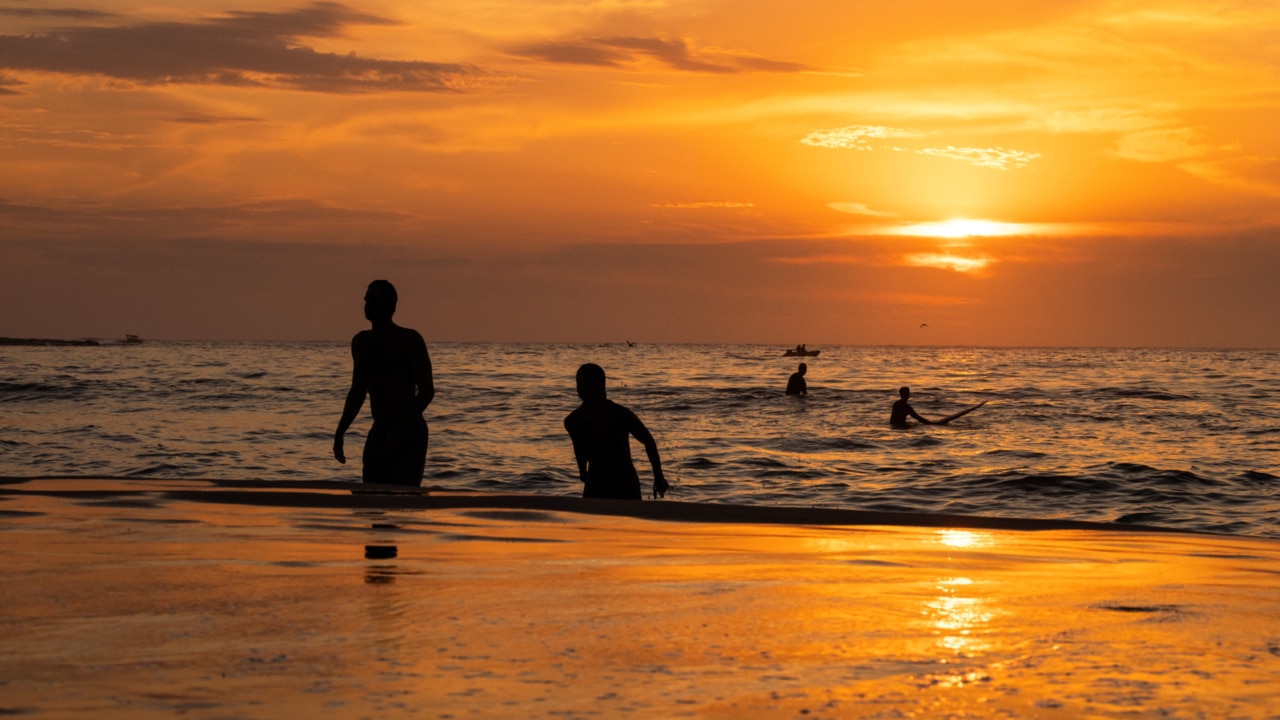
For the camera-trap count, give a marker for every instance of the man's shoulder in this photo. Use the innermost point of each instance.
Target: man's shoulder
(409, 335)
(606, 409)
(575, 418)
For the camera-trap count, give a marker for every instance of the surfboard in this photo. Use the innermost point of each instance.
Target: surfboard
(962, 413)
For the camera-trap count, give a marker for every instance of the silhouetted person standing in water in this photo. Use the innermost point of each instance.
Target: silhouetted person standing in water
(601, 431)
(902, 409)
(796, 384)
(392, 367)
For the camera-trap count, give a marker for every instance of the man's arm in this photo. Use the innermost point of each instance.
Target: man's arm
(912, 412)
(578, 453)
(641, 433)
(422, 376)
(355, 399)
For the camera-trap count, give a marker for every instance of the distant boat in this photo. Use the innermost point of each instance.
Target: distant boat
(132, 340)
(801, 352)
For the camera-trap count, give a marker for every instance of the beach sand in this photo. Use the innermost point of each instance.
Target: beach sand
(157, 598)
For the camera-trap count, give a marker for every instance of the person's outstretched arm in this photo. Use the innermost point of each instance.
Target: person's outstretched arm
(912, 412)
(641, 433)
(355, 400)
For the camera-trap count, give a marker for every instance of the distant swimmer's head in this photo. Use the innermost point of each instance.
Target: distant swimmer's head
(803, 368)
(380, 301)
(904, 392)
(591, 382)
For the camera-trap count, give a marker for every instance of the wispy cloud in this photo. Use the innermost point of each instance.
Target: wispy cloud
(944, 261)
(1161, 145)
(857, 209)
(829, 259)
(240, 48)
(68, 13)
(619, 52)
(705, 204)
(7, 82)
(865, 137)
(204, 119)
(854, 137)
(998, 158)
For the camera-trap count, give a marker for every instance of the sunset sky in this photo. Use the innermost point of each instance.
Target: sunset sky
(1008, 173)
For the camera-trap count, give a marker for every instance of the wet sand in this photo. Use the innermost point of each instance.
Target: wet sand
(153, 598)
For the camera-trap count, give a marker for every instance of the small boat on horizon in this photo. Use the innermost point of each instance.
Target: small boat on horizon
(132, 340)
(801, 351)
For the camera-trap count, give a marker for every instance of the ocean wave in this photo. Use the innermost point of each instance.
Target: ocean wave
(1192, 436)
(27, 392)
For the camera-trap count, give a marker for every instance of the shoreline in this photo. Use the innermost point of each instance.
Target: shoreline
(354, 495)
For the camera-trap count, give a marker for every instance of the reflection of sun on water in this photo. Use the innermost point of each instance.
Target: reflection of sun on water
(956, 618)
(963, 538)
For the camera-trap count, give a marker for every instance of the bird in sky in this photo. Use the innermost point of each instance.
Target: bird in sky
(924, 325)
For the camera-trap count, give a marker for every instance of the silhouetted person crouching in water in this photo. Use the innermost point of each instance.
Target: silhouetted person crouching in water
(392, 367)
(601, 431)
(796, 384)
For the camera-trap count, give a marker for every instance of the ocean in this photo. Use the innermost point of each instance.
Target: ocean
(1186, 439)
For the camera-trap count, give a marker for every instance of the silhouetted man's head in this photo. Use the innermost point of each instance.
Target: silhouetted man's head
(380, 301)
(904, 392)
(803, 368)
(591, 382)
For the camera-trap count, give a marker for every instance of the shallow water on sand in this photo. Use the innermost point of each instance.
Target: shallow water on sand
(1180, 438)
(154, 598)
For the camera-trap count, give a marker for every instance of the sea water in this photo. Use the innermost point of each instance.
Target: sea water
(1184, 439)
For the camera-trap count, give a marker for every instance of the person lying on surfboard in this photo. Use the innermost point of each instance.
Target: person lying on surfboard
(902, 410)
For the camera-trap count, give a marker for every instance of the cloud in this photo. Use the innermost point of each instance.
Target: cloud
(205, 119)
(948, 262)
(300, 219)
(1255, 175)
(707, 204)
(72, 13)
(854, 137)
(1160, 145)
(831, 259)
(619, 52)
(857, 209)
(998, 158)
(7, 82)
(241, 48)
(861, 137)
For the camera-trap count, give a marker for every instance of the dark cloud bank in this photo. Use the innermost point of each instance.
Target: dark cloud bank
(240, 48)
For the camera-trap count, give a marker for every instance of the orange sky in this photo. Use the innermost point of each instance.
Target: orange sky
(1011, 173)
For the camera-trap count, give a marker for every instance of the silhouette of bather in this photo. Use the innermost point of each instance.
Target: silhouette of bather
(390, 365)
(902, 409)
(796, 384)
(601, 431)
